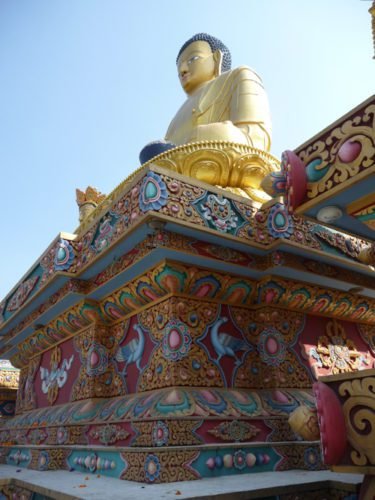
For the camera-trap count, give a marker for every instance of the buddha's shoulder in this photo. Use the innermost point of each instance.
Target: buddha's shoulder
(243, 73)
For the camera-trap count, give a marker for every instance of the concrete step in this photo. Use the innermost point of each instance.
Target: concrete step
(289, 485)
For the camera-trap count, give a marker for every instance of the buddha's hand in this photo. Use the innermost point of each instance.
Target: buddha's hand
(218, 131)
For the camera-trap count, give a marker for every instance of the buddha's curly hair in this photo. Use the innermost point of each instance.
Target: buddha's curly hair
(215, 44)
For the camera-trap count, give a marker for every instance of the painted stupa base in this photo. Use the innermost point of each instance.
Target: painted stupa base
(169, 434)
(174, 334)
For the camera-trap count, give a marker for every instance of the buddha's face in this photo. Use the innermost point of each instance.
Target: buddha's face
(197, 65)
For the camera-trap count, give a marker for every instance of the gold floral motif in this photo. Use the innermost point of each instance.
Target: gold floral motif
(253, 322)
(234, 430)
(173, 466)
(281, 430)
(299, 456)
(337, 353)
(180, 195)
(359, 413)
(56, 459)
(254, 373)
(73, 434)
(283, 370)
(108, 434)
(105, 382)
(179, 433)
(158, 315)
(161, 372)
(207, 312)
(117, 333)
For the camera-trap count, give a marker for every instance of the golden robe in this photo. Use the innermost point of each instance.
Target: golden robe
(232, 107)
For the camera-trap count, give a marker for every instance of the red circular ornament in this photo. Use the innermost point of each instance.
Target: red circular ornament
(331, 423)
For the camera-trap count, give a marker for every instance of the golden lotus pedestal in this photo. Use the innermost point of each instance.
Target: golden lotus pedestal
(235, 167)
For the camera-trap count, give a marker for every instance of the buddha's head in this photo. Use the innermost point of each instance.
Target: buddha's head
(201, 59)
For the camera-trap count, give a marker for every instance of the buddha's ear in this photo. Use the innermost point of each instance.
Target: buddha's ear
(218, 58)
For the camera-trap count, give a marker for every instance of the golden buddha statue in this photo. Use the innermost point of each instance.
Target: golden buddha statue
(225, 110)
(222, 104)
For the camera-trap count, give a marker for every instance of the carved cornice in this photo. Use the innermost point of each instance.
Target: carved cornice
(174, 198)
(169, 278)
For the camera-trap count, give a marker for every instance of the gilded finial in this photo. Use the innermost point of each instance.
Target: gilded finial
(87, 201)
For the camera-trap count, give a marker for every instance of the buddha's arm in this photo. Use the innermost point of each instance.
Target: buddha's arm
(250, 109)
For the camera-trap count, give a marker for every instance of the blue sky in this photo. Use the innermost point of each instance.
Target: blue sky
(86, 83)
